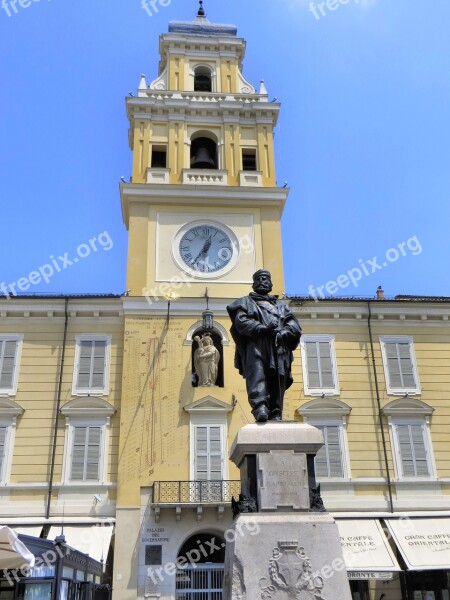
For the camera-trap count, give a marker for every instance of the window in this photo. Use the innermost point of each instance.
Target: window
(208, 453)
(330, 416)
(400, 365)
(409, 425)
(9, 411)
(319, 365)
(329, 462)
(413, 450)
(87, 440)
(86, 453)
(249, 159)
(91, 373)
(208, 439)
(159, 157)
(10, 350)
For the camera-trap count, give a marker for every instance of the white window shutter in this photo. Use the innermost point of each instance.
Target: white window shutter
(406, 365)
(329, 458)
(326, 365)
(215, 454)
(78, 453)
(312, 360)
(84, 365)
(3, 432)
(8, 353)
(93, 454)
(98, 365)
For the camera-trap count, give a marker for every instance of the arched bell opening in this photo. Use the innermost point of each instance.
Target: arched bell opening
(204, 153)
(201, 363)
(203, 80)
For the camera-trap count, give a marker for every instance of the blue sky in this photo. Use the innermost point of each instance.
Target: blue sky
(363, 138)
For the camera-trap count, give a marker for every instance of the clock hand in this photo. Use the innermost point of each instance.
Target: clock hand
(204, 250)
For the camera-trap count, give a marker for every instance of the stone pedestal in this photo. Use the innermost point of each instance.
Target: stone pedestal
(280, 547)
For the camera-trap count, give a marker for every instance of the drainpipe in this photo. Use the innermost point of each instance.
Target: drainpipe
(380, 414)
(58, 406)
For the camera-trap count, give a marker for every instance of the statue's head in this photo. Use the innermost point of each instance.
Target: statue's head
(262, 282)
(207, 340)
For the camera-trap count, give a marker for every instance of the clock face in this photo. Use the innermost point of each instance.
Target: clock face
(206, 248)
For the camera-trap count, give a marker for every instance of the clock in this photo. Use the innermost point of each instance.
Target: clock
(206, 249)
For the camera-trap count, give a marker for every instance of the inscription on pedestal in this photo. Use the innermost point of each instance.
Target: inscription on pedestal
(282, 481)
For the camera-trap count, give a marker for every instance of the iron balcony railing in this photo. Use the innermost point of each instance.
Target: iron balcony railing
(188, 492)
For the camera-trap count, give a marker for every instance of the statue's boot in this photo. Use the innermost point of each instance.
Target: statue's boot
(261, 414)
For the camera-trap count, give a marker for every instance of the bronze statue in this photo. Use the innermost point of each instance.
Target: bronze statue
(266, 333)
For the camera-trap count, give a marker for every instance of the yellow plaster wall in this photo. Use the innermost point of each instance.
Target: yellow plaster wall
(37, 394)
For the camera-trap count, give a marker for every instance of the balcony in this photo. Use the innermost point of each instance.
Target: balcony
(195, 495)
(205, 177)
(195, 492)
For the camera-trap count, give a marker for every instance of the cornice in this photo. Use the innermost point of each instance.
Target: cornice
(180, 194)
(386, 313)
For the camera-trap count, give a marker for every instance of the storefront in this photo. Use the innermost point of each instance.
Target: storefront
(59, 573)
(370, 561)
(402, 558)
(424, 546)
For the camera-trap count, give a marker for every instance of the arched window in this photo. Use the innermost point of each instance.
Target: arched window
(202, 80)
(204, 153)
(201, 567)
(216, 339)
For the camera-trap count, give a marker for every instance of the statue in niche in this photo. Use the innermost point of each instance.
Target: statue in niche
(206, 361)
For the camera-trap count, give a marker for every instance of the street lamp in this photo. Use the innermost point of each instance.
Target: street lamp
(208, 315)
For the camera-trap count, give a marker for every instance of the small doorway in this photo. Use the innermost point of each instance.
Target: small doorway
(201, 578)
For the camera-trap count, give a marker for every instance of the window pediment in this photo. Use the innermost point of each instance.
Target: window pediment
(407, 407)
(324, 407)
(88, 406)
(8, 408)
(208, 405)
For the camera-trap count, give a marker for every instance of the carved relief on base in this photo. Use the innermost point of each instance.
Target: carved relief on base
(291, 576)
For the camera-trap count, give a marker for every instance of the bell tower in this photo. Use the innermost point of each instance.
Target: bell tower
(203, 212)
(203, 207)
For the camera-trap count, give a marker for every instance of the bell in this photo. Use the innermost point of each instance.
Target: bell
(202, 159)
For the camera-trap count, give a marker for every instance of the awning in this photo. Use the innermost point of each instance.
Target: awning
(423, 543)
(33, 530)
(13, 553)
(93, 540)
(366, 550)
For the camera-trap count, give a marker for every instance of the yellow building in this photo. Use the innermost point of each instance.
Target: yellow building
(60, 390)
(203, 168)
(103, 420)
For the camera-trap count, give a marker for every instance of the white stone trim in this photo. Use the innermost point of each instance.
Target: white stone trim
(319, 391)
(189, 340)
(92, 337)
(18, 338)
(9, 411)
